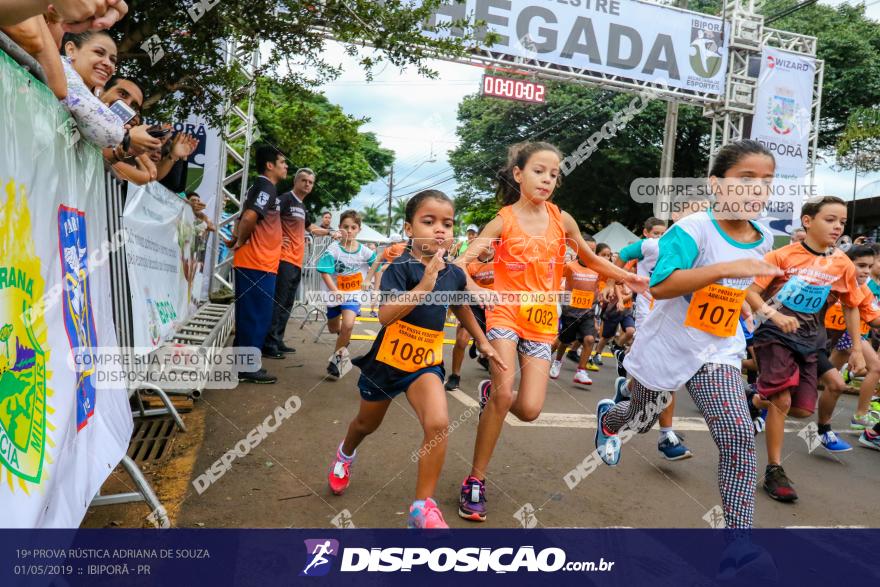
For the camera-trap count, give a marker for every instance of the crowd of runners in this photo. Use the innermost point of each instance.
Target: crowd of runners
(755, 335)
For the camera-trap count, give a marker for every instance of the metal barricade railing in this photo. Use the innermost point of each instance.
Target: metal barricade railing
(310, 283)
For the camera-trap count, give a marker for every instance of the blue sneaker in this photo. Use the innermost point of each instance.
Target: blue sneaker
(833, 444)
(607, 444)
(484, 389)
(621, 392)
(672, 448)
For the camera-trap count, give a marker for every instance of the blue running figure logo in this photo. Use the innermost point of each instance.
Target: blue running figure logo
(317, 552)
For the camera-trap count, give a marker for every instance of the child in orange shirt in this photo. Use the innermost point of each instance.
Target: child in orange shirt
(786, 342)
(530, 236)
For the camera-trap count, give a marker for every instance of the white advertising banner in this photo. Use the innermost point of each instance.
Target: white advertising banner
(60, 435)
(633, 40)
(160, 251)
(782, 123)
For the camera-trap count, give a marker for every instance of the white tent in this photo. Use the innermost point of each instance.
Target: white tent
(368, 234)
(616, 236)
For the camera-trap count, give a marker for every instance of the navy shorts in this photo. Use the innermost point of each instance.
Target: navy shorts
(334, 311)
(609, 325)
(373, 393)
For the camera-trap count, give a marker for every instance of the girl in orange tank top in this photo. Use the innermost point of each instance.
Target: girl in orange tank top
(530, 235)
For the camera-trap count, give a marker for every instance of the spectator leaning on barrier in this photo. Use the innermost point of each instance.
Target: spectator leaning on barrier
(294, 223)
(257, 251)
(33, 35)
(76, 15)
(326, 219)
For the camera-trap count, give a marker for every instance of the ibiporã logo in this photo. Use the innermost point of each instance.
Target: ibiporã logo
(24, 395)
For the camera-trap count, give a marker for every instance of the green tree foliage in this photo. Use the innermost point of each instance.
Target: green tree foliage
(597, 191)
(192, 76)
(859, 144)
(373, 217)
(314, 133)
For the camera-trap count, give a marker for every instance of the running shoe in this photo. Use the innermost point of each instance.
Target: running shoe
(472, 351)
(555, 368)
(340, 472)
(607, 443)
(286, 349)
(672, 448)
(472, 501)
(777, 484)
(582, 378)
(758, 421)
(573, 356)
(333, 368)
(597, 360)
(258, 376)
(866, 421)
(621, 391)
(373, 314)
(833, 444)
(870, 440)
(484, 389)
(425, 516)
(453, 382)
(591, 366)
(484, 362)
(875, 404)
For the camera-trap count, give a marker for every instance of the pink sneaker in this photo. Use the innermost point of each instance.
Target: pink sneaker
(340, 472)
(426, 517)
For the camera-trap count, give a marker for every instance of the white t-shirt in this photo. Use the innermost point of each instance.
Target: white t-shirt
(666, 354)
(645, 252)
(337, 261)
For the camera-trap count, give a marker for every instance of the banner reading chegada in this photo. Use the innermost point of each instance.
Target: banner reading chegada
(637, 41)
(782, 123)
(60, 437)
(162, 262)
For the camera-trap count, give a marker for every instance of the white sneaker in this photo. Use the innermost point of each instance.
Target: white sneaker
(343, 361)
(555, 368)
(582, 377)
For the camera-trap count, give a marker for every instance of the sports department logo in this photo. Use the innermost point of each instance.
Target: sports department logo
(320, 554)
(79, 320)
(24, 395)
(781, 113)
(705, 52)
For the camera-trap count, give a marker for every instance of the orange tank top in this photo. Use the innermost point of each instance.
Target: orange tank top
(533, 264)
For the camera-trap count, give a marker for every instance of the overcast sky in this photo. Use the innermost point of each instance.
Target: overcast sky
(416, 117)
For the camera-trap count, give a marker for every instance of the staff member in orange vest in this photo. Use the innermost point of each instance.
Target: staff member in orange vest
(257, 250)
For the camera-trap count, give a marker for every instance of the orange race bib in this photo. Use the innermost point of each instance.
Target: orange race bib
(349, 282)
(541, 318)
(410, 348)
(715, 309)
(835, 320)
(582, 299)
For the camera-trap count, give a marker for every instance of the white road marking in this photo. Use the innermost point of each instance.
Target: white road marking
(370, 331)
(563, 420)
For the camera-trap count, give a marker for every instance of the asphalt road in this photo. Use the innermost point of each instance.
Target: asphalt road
(283, 481)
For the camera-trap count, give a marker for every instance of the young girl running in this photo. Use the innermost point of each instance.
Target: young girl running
(693, 337)
(531, 235)
(407, 355)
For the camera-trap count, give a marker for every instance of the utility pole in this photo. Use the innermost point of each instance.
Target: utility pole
(390, 197)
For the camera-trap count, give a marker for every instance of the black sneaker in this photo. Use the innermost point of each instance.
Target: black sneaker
(484, 362)
(472, 352)
(572, 355)
(484, 390)
(333, 369)
(270, 353)
(453, 382)
(620, 355)
(286, 349)
(777, 484)
(758, 422)
(259, 376)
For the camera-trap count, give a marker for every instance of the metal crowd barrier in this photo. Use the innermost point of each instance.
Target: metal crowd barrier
(310, 282)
